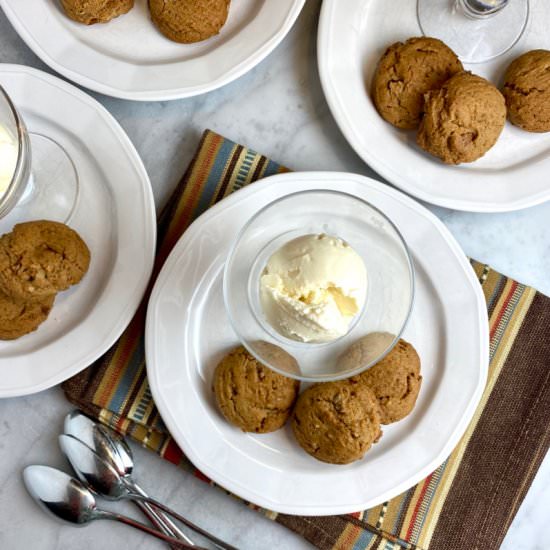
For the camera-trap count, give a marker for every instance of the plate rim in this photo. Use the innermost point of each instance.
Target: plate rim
(171, 423)
(159, 95)
(380, 167)
(131, 307)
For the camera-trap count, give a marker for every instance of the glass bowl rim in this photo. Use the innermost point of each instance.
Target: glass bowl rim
(326, 377)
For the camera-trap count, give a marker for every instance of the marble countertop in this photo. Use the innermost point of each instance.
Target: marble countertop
(279, 109)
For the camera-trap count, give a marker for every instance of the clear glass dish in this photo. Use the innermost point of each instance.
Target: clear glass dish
(476, 30)
(390, 291)
(43, 181)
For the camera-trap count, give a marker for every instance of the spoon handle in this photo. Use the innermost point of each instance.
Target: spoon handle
(103, 514)
(218, 542)
(158, 519)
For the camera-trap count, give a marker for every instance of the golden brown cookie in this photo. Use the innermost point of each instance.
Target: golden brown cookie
(276, 357)
(527, 91)
(39, 258)
(405, 73)
(188, 21)
(337, 422)
(462, 120)
(252, 396)
(96, 11)
(395, 381)
(18, 318)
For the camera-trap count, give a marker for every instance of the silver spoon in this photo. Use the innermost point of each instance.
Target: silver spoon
(67, 499)
(113, 448)
(100, 476)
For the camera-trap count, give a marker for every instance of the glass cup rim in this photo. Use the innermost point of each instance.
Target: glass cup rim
(327, 377)
(12, 188)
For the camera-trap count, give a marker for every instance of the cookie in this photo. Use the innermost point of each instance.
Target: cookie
(527, 91)
(250, 395)
(19, 318)
(90, 12)
(405, 73)
(188, 21)
(462, 120)
(337, 422)
(40, 258)
(276, 357)
(395, 382)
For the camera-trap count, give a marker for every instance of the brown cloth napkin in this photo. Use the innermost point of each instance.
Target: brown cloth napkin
(469, 501)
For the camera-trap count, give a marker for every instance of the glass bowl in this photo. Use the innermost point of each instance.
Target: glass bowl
(43, 183)
(390, 284)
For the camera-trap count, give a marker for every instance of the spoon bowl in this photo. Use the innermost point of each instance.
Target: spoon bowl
(60, 494)
(68, 499)
(105, 442)
(92, 469)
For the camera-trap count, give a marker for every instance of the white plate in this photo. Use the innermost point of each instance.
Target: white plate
(188, 332)
(129, 58)
(115, 215)
(512, 175)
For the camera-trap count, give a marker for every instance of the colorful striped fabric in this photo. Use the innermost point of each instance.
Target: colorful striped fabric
(469, 501)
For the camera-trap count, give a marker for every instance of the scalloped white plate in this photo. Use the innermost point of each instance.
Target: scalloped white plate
(129, 58)
(188, 332)
(115, 215)
(512, 175)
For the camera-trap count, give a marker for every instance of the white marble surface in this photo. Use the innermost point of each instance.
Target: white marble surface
(279, 109)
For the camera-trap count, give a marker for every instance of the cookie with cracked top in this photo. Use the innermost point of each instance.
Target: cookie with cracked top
(19, 318)
(405, 72)
(395, 381)
(337, 422)
(91, 12)
(527, 91)
(462, 120)
(250, 395)
(40, 258)
(188, 21)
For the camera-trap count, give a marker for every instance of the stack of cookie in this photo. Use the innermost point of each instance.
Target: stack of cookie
(335, 422)
(37, 260)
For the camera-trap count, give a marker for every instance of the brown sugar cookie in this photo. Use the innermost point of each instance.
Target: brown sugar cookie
(527, 91)
(337, 422)
(40, 258)
(250, 395)
(405, 73)
(462, 120)
(188, 21)
(18, 318)
(395, 381)
(95, 11)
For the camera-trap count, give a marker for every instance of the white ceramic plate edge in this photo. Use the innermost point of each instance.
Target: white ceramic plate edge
(149, 247)
(383, 169)
(325, 508)
(161, 95)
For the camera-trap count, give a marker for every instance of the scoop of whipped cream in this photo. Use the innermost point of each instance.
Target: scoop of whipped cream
(312, 287)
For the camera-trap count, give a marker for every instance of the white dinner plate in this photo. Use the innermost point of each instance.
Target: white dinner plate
(129, 58)
(115, 215)
(512, 175)
(188, 332)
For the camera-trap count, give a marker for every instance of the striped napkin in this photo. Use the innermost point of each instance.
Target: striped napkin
(469, 501)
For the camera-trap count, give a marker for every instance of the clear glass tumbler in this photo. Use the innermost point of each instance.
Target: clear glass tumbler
(38, 179)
